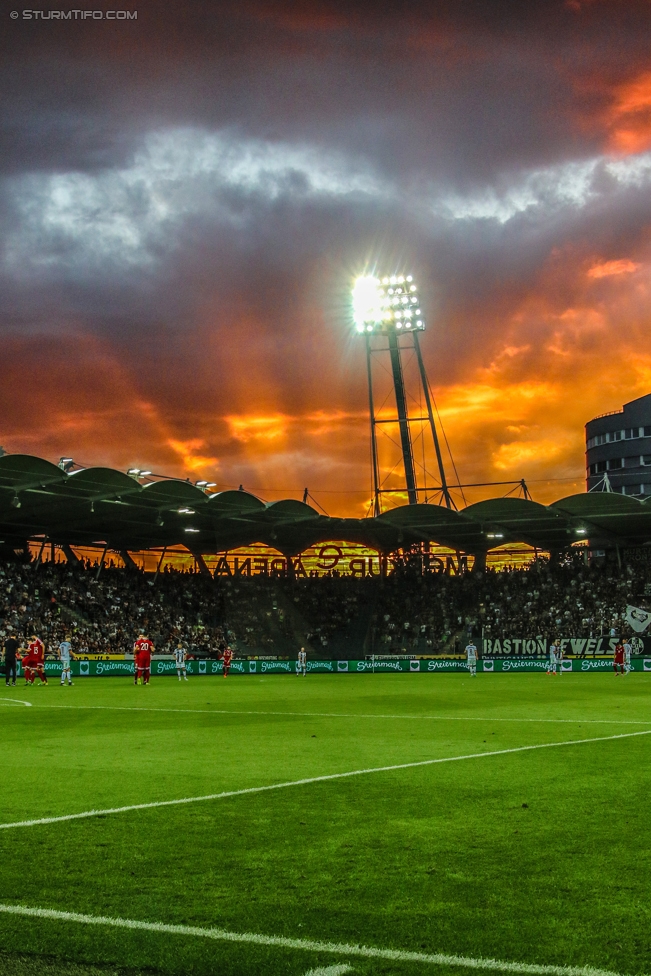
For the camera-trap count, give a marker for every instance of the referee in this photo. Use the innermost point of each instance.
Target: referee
(11, 649)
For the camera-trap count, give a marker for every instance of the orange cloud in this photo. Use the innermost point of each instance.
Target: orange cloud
(542, 451)
(192, 461)
(607, 268)
(247, 427)
(629, 117)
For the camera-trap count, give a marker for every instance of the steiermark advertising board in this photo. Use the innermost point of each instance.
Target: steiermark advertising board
(162, 668)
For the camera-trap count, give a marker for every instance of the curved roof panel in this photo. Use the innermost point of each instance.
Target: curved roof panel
(234, 502)
(98, 482)
(172, 493)
(18, 471)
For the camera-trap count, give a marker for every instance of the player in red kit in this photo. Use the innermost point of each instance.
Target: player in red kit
(618, 663)
(228, 657)
(142, 651)
(36, 651)
(28, 664)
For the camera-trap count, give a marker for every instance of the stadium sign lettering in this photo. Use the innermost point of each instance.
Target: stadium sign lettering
(446, 666)
(539, 646)
(118, 667)
(341, 558)
(524, 665)
(379, 666)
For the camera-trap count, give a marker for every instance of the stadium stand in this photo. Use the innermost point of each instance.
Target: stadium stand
(334, 617)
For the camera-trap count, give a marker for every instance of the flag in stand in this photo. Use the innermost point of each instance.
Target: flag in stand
(637, 619)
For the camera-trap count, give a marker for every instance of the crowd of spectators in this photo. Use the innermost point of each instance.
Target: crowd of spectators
(563, 599)
(329, 606)
(408, 613)
(105, 614)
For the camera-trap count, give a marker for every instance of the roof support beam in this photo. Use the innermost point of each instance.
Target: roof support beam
(71, 556)
(128, 560)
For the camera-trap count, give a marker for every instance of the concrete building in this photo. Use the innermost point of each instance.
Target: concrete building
(618, 445)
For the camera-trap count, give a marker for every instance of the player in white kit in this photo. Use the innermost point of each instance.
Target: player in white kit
(301, 666)
(551, 667)
(65, 651)
(179, 657)
(628, 650)
(471, 657)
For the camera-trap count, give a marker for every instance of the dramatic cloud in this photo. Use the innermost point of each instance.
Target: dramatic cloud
(186, 198)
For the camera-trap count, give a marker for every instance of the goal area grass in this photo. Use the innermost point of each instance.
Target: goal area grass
(528, 844)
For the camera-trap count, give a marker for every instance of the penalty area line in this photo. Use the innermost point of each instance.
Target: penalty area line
(309, 945)
(314, 779)
(15, 701)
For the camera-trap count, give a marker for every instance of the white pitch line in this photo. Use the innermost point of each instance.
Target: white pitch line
(313, 779)
(14, 701)
(310, 945)
(435, 718)
(337, 970)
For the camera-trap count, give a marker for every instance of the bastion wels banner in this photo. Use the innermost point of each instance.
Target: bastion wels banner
(579, 646)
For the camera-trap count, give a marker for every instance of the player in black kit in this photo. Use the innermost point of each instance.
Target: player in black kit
(11, 649)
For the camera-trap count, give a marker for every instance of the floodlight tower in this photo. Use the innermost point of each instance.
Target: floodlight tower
(388, 309)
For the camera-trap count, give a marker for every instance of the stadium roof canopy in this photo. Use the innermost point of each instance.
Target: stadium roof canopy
(105, 507)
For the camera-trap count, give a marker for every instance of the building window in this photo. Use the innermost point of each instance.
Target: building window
(647, 431)
(615, 464)
(601, 466)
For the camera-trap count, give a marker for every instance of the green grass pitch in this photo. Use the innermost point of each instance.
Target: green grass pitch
(539, 856)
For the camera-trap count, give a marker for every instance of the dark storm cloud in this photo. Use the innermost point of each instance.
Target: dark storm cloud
(186, 197)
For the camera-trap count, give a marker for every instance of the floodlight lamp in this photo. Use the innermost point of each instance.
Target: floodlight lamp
(378, 303)
(134, 472)
(211, 484)
(201, 484)
(143, 474)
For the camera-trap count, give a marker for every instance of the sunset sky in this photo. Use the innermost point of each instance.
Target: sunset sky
(186, 199)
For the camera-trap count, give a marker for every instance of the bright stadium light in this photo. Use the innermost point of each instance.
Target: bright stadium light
(384, 304)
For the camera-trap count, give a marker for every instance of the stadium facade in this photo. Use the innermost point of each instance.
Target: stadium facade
(618, 449)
